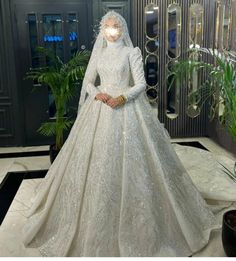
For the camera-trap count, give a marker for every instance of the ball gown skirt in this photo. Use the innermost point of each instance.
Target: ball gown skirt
(118, 188)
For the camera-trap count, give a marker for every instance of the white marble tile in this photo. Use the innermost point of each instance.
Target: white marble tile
(22, 200)
(209, 144)
(31, 163)
(24, 196)
(11, 246)
(22, 164)
(206, 172)
(23, 149)
(5, 166)
(10, 229)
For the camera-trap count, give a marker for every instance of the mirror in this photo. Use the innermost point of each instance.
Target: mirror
(193, 98)
(172, 103)
(227, 19)
(151, 69)
(173, 29)
(151, 21)
(151, 46)
(152, 94)
(172, 95)
(221, 108)
(216, 107)
(193, 110)
(196, 40)
(196, 24)
(218, 33)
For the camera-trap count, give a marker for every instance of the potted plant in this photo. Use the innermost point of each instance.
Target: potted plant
(219, 89)
(229, 223)
(62, 79)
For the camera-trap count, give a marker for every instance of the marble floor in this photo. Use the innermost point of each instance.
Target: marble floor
(217, 188)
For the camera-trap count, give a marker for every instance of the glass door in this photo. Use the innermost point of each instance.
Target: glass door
(64, 30)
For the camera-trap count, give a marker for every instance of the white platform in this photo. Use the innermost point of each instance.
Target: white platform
(218, 190)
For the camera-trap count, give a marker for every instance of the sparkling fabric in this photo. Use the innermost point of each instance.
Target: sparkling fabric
(117, 187)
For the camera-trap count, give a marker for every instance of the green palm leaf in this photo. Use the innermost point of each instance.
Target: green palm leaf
(62, 79)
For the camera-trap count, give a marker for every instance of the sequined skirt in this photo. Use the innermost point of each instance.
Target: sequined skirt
(118, 188)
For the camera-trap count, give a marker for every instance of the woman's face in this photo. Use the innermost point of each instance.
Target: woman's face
(112, 29)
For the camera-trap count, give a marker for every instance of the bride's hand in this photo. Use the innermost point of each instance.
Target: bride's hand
(113, 102)
(104, 97)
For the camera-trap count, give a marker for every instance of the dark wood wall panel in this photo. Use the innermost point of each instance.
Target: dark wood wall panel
(8, 99)
(183, 125)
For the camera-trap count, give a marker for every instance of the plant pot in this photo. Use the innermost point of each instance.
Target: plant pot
(220, 134)
(229, 233)
(53, 152)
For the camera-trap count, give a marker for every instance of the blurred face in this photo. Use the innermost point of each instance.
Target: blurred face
(112, 29)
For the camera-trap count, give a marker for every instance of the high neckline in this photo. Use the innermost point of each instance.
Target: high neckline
(119, 42)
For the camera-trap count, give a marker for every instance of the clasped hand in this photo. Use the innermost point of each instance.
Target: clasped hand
(108, 99)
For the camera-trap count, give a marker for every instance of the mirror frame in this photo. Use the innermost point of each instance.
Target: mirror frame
(149, 39)
(145, 20)
(174, 115)
(154, 100)
(149, 52)
(179, 31)
(146, 58)
(195, 41)
(226, 42)
(177, 94)
(194, 56)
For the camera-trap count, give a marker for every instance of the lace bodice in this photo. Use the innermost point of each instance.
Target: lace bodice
(117, 66)
(113, 67)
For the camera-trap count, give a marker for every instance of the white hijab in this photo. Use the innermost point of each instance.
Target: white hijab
(100, 43)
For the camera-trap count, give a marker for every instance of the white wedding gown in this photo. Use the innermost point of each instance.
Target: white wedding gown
(117, 187)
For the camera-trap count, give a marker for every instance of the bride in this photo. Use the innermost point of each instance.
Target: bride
(117, 187)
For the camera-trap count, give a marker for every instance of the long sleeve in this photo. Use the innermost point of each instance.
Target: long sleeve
(88, 84)
(90, 78)
(136, 66)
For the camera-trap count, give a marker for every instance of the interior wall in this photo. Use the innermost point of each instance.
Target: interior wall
(183, 125)
(11, 114)
(10, 125)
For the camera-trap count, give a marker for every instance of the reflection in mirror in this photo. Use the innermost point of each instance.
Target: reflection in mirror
(152, 94)
(193, 110)
(33, 39)
(218, 22)
(227, 18)
(73, 36)
(172, 95)
(196, 40)
(53, 34)
(151, 20)
(196, 24)
(151, 46)
(193, 98)
(217, 107)
(172, 105)
(53, 40)
(221, 108)
(173, 25)
(151, 69)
